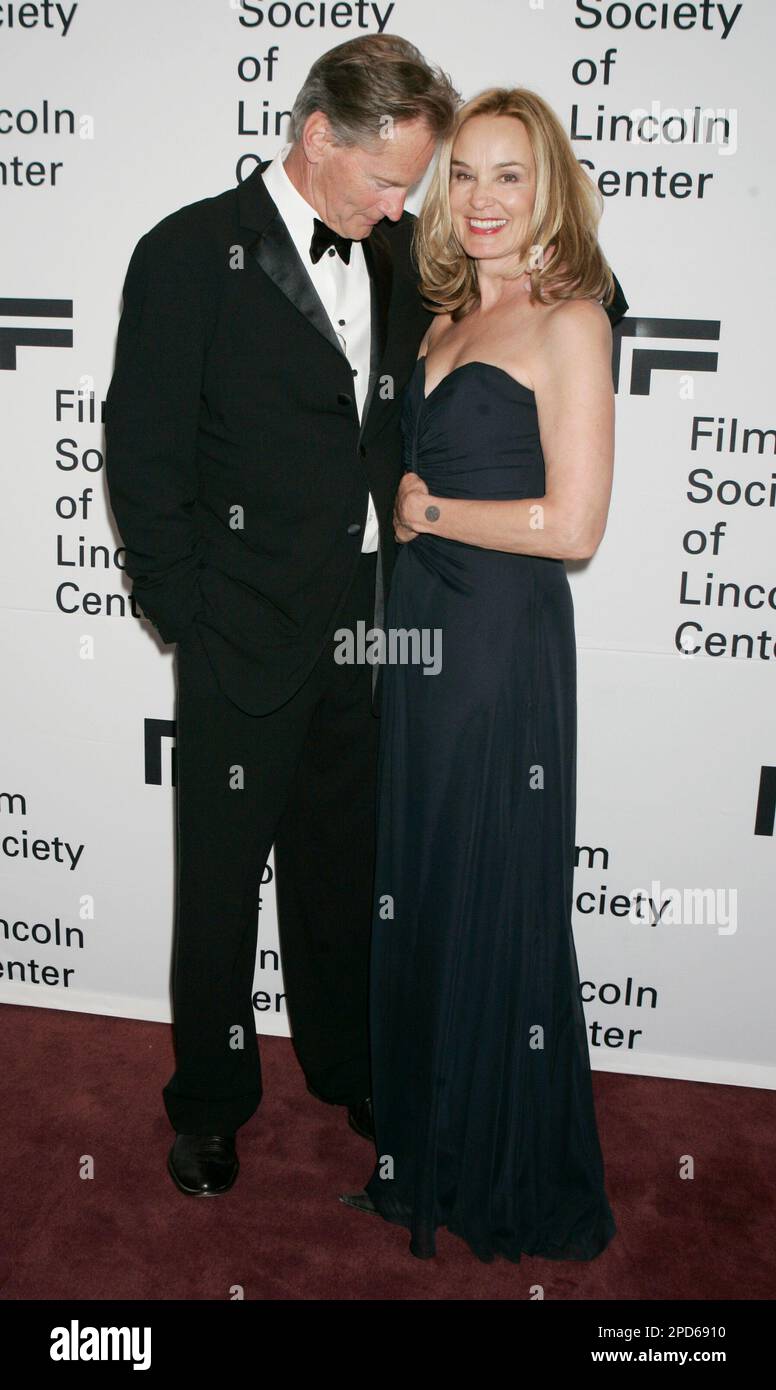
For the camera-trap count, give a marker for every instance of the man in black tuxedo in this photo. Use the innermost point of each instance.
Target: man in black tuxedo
(253, 454)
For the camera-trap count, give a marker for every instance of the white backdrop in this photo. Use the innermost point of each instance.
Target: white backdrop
(112, 116)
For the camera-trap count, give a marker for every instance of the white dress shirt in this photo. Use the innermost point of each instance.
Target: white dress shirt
(345, 291)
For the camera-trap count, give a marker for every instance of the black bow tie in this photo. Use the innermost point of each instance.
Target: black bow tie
(324, 237)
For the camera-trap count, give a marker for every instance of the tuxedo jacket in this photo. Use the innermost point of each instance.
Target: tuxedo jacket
(237, 467)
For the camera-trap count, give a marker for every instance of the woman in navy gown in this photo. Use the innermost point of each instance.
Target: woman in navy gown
(481, 1082)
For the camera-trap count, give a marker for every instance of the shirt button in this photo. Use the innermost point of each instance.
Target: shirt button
(331, 251)
(354, 528)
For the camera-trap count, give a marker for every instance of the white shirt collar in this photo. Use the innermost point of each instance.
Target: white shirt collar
(296, 212)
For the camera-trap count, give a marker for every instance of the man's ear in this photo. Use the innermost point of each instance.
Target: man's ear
(316, 136)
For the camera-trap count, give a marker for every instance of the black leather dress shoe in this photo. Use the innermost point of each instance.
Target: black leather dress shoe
(360, 1200)
(361, 1118)
(203, 1165)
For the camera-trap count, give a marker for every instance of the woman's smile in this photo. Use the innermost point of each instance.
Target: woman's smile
(486, 226)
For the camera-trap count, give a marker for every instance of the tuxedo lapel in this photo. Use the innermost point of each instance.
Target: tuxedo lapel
(278, 257)
(274, 250)
(379, 261)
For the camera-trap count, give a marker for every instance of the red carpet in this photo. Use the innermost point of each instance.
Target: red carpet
(78, 1084)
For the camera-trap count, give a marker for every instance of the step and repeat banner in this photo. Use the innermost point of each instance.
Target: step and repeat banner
(112, 115)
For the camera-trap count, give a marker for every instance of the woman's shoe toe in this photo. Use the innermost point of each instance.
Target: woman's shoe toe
(361, 1200)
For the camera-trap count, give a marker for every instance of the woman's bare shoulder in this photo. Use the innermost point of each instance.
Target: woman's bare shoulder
(575, 324)
(584, 315)
(438, 325)
(575, 343)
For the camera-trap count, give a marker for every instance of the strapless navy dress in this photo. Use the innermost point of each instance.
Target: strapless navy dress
(481, 1081)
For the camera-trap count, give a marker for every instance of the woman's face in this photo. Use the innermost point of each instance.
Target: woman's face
(492, 187)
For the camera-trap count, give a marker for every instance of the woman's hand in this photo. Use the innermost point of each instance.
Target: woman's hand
(405, 508)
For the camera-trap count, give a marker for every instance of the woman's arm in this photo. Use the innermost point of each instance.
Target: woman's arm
(575, 404)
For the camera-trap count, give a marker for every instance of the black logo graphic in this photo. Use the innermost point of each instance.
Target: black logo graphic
(155, 734)
(765, 814)
(21, 336)
(645, 360)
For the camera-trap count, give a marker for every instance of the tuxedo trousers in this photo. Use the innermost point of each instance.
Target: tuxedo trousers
(303, 778)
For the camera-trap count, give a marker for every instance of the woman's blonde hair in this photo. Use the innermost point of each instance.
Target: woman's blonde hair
(567, 210)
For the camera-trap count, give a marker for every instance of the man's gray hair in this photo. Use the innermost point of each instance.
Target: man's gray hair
(371, 82)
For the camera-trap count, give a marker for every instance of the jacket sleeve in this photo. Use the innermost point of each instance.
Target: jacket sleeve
(151, 420)
(619, 305)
